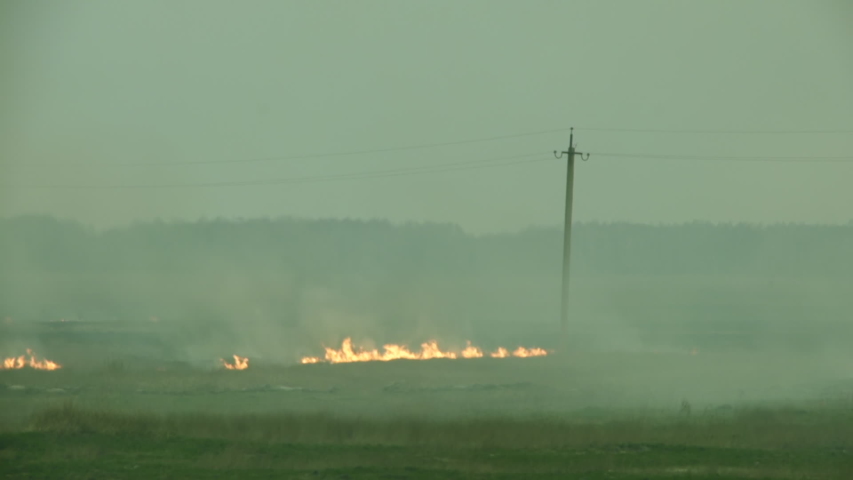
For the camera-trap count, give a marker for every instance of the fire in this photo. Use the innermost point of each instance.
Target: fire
(471, 351)
(500, 353)
(240, 363)
(14, 363)
(429, 350)
(529, 352)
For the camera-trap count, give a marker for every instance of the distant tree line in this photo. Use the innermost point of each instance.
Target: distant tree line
(45, 244)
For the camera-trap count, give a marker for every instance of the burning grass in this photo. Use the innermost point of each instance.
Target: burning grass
(429, 350)
(240, 363)
(30, 361)
(441, 433)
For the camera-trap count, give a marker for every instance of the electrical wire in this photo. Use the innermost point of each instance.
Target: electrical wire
(765, 158)
(437, 168)
(281, 158)
(454, 166)
(715, 132)
(278, 158)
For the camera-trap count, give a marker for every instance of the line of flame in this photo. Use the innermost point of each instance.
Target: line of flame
(14, 363)
(429, 350)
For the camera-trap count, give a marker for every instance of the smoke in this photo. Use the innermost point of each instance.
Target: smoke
(658, 314)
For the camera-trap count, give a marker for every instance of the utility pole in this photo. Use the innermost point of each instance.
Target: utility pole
(567, 226)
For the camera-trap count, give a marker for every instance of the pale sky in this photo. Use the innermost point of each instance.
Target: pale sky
(90, 86)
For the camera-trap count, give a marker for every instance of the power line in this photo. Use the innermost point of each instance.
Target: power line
(764, 158)
(725, 132)
(454, 166)
(278, 158)
(438, 168)
(309, 155)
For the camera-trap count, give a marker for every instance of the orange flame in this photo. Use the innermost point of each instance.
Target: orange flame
(500, 353)
(240, 363)
(14, 363)
(471, 351)
(429, 350)
(529, 352)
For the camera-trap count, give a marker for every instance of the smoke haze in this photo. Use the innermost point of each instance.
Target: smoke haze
(91, 86)
(185, 181)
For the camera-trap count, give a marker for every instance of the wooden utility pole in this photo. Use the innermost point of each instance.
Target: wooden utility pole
(567, 226)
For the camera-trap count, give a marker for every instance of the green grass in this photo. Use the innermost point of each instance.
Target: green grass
(747, 428)
(577, 415)
(71, 442)
(103, 456)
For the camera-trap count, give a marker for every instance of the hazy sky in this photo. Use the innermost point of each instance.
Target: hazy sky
(90, 86)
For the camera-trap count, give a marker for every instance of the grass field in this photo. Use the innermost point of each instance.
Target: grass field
(763, 395)
(67, 442)
(628, 416)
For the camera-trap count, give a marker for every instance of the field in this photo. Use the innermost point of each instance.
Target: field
(582, 415)
(663, 378)
(68, 443)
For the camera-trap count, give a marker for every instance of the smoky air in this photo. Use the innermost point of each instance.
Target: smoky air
(411, 240)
